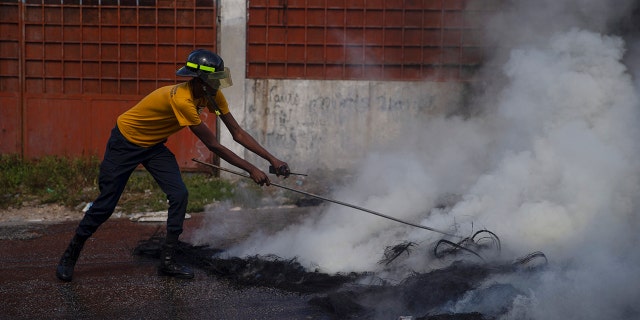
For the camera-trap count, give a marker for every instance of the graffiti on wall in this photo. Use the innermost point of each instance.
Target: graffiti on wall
(319, 121)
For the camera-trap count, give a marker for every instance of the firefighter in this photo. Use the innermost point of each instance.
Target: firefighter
(139, 137)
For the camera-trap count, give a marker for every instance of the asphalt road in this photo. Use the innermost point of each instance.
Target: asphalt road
(111, 283)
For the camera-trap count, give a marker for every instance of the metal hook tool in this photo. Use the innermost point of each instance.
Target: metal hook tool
(331, 200)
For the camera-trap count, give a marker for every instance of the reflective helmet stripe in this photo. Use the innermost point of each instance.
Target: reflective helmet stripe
(200, 67)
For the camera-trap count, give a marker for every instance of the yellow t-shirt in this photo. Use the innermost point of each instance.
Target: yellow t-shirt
(164, 112)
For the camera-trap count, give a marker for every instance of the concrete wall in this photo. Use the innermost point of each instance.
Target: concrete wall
(232, 43)
(320, 124)
(324, 124)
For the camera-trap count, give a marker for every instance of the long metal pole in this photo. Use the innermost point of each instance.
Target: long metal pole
(331, 200)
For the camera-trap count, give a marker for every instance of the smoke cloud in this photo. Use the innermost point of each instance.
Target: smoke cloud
(549, 162)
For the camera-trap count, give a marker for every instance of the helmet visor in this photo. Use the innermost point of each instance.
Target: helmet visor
(219, 79)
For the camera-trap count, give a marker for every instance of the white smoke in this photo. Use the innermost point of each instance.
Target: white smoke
(551, 165)
(400, 183)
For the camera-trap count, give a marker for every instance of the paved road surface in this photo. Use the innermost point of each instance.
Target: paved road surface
(111, 283)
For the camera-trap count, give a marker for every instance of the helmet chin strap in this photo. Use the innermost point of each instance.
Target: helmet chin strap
(205, 89)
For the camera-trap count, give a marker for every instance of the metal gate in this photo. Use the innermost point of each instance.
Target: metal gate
(69, 68)
(436, 40)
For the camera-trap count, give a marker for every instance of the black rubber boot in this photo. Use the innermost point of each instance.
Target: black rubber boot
(168, 265)
(64, 271)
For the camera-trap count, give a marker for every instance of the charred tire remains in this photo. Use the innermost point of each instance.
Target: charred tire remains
(343, 295)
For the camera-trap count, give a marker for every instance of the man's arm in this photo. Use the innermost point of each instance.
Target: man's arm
(245, 139)
(209, 139)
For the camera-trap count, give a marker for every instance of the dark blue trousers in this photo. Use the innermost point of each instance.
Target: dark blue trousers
(120, 159)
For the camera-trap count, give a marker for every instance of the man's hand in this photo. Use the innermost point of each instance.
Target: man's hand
(259, 177)
(281, 168)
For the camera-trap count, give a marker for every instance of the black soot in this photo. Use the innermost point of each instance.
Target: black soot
(344, 296)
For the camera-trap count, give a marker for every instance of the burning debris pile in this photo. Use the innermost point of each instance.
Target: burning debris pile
(364, 295)
(432, 295)
(265, 271)
(416, 295)
(483, 240)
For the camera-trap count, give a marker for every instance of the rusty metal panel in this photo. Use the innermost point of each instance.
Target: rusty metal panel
(87, 124)
(363, 40)
(81, 127)
(107, 108)
(10, 120)
(9, 47)
(64, 136)
(69, 68)
(10, 106)
(111, 48)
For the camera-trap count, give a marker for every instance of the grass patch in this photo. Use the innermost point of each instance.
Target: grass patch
(48, 180)
(70, 182)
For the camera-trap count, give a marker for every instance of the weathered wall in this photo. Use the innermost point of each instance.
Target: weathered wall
(68, 69)
(331, 124)
(232, 43)
(62, 63)
(315, 124)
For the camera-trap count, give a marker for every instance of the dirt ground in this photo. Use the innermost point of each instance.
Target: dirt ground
(39, 213)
